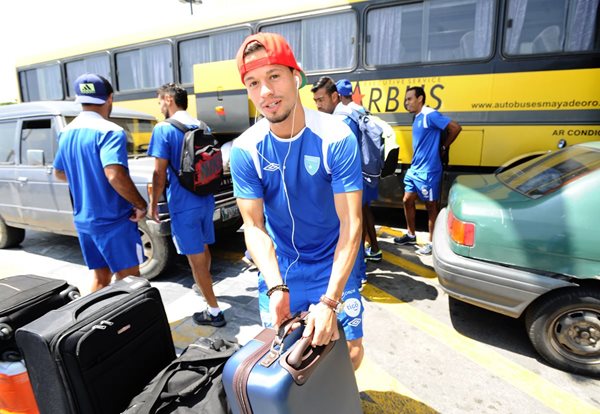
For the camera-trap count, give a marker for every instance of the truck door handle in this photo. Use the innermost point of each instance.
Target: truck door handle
(22, 179)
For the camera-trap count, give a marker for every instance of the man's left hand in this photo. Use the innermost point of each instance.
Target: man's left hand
(322, 323)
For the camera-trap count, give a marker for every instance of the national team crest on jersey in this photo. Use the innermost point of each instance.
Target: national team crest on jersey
(311, 164)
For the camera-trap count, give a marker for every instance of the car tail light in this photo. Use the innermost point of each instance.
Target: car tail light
(461, 232)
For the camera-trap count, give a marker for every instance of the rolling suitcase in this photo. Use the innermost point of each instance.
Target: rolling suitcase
(279, 372)
(25, 298)
(92, 356)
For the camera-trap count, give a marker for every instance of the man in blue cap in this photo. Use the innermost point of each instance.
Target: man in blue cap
(344, 88)
(92, 158)
(372, 253)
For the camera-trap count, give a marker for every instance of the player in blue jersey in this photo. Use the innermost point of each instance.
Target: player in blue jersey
(92, 158)
(191, 214)
(297, 179)
(328, 100)
(424, 177)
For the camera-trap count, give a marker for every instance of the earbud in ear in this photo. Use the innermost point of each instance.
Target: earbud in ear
(297, 82)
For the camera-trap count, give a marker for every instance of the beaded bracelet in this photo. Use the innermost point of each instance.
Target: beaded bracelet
(283, 288)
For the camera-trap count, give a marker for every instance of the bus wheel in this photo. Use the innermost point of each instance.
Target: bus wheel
(10, 236)
(158, 250)
(565, 329)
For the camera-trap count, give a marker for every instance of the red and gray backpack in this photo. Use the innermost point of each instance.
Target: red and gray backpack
(201, 167)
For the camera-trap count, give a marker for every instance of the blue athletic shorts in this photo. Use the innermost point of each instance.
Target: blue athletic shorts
(369, 194)
(192, 229)
(307, 282)
(118, 248)
(426, 185)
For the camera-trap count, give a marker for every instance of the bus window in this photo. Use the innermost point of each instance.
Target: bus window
(212, 48)
(432, 31)
(98, 64)
(537, 27)
(335, 34)
(41, 84)
(144, 68)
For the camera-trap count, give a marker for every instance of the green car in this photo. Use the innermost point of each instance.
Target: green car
(526, 242)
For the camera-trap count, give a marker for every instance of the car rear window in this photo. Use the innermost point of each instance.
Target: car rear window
(550, 172)
(138, 133)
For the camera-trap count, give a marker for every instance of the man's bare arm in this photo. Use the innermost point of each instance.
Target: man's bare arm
(60, 175)
(453, 130)
(159, 182)
(119, 179)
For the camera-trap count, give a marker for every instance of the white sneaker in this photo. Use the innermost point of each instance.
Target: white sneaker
(425, 250)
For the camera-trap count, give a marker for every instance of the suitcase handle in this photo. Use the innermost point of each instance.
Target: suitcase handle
(303, 359)
(122, 287)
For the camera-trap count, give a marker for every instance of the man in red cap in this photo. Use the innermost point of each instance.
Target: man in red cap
(298, 182)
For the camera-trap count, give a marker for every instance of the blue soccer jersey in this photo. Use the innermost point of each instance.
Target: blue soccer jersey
(426, 131)
(87, 145)
(167, 143)
(297, 179)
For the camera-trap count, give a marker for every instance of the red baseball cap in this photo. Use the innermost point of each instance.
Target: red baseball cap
(278, 53)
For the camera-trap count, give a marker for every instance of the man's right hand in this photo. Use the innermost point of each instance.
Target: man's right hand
(279, 307)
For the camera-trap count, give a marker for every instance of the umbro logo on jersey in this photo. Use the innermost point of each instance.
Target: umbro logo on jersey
(271, 167)
(87, 88)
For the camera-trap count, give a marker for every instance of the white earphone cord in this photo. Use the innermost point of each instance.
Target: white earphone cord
(282, 172)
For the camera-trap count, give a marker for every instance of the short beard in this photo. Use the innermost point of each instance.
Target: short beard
(279, 118)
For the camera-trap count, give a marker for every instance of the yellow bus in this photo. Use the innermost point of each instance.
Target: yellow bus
(521, 76)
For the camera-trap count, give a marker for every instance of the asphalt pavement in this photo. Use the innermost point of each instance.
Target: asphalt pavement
(424, 353)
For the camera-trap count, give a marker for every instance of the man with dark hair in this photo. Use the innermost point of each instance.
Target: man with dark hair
(191, 214)
(298, 182)
(370, 192)
(92, 158)
(328, 100)
(424, 177)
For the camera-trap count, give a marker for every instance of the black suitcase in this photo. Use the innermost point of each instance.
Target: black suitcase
(94, 355)
(25, 298)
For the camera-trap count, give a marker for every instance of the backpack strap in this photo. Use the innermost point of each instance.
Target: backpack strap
(179, 125)
(183, 128)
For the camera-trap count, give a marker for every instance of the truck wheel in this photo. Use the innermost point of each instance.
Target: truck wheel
(10, 236)
(565, 329)
(159, 252)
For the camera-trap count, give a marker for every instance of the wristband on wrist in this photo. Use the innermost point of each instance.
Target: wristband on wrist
(332, 304)
(282, 287)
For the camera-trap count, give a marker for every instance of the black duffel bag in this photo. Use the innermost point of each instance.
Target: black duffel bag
(190, 384)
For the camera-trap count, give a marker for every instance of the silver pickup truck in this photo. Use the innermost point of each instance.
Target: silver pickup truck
(31, 197)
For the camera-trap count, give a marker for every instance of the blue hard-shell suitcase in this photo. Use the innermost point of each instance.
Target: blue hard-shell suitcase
(279, 372)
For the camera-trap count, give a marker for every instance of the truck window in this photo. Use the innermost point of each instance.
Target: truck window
(37, 134)
(7, 142)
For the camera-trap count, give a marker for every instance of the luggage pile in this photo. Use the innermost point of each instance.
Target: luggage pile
(112, 352)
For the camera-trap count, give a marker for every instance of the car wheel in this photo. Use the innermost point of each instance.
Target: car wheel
(565, 329)
(10, 236)
(159, 252)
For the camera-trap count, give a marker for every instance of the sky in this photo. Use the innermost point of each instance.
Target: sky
(35, 26)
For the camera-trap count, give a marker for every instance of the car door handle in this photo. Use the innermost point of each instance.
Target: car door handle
(49, 170)
(22, 179)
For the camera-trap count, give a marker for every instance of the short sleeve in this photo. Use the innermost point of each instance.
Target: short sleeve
(159, 146)
(246, 183)
(58, 158)
(344, 161)
(438, 120)
(113, 148)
